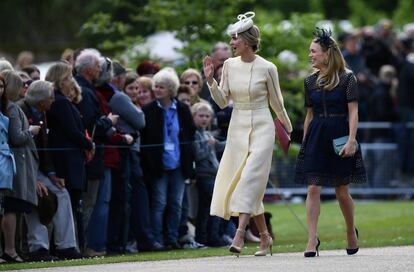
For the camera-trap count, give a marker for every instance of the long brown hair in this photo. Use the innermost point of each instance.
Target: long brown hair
(335, 64)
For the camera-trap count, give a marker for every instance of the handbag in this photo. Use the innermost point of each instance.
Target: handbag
(339, 143)
(282, 135)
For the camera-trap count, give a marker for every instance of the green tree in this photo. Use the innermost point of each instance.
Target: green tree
(199, 26)
(198, 23)
(45, 27)
(364, 14)
(294, 35)
(404, 12)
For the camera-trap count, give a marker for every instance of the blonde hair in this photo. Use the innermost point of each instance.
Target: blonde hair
(78, 91)
(145, 82)
(335, 65)
(252, 37)
(13, 84)
(57, 72)
(68, 54)
(24, 56)
(191, 72)
(201, 106)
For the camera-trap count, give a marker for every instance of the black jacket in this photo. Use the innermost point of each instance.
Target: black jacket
(153, 134)
(97, 125)
(67, 135)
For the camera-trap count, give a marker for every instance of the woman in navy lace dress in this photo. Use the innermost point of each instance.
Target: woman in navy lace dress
(331, 100)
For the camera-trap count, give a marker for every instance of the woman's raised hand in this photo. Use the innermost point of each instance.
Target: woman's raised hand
(208, 69)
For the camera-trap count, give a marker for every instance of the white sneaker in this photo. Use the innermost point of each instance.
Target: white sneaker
(131, 247)
(186, 239)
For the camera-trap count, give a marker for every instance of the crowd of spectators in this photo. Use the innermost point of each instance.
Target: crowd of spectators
(111, 160)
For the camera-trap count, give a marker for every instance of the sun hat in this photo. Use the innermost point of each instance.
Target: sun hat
(47, 207)
(245, 22)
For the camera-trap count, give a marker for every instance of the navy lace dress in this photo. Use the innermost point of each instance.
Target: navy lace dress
(317, 163)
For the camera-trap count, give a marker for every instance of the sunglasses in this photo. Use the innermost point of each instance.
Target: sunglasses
(27, 83)
(191, 82)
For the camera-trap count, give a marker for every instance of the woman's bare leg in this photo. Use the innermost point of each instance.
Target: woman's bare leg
(313, 208)
(347, 207)
(238, 238)
(9, 230)
(260, 222)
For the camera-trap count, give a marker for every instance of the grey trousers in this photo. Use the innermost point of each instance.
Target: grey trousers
(88, 202)
(62, 223)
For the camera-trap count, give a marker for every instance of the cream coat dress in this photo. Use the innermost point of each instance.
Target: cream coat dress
(244, 168)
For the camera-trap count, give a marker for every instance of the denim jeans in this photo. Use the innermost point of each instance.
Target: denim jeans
(166, 198)
(98, 222)
(207, 227)
(183, 228)
(140, 206)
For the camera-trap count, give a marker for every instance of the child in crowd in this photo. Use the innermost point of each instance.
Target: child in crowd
(184, 94)
(205, 147)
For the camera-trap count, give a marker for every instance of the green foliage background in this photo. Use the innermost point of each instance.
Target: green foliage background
(114, 26)
(202, 23)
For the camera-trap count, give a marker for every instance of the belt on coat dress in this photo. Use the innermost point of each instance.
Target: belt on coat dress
(250, 106)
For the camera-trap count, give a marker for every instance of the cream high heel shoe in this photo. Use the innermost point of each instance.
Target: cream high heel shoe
(268, 245)
(237, 249)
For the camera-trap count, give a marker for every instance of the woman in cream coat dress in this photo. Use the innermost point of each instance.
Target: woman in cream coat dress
(252, 83)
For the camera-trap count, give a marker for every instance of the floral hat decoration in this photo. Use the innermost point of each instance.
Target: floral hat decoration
(245, 22)
(323, 37)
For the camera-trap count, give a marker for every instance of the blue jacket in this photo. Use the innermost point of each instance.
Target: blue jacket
(7, 163)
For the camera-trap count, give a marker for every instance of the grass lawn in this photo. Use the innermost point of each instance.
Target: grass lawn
(380, 223)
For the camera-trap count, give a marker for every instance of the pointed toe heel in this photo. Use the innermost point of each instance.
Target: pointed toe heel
(352, 251)
(268, 247)
(310, 254)
(236, 250)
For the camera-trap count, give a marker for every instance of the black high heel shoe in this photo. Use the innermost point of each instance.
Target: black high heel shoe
(352, 251)
(308, 254)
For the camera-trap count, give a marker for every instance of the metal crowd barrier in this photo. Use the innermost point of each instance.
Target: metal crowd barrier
(381, 161)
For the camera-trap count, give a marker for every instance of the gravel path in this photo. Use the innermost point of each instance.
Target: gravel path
(392, 259)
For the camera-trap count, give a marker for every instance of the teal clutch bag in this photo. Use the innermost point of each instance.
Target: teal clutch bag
(339, 143)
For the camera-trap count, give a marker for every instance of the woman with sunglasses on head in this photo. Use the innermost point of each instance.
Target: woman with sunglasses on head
(252, 83)
(331, 101)
(192, 78)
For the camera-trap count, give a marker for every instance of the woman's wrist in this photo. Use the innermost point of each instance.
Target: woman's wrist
(210, 81)
(352, 140)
